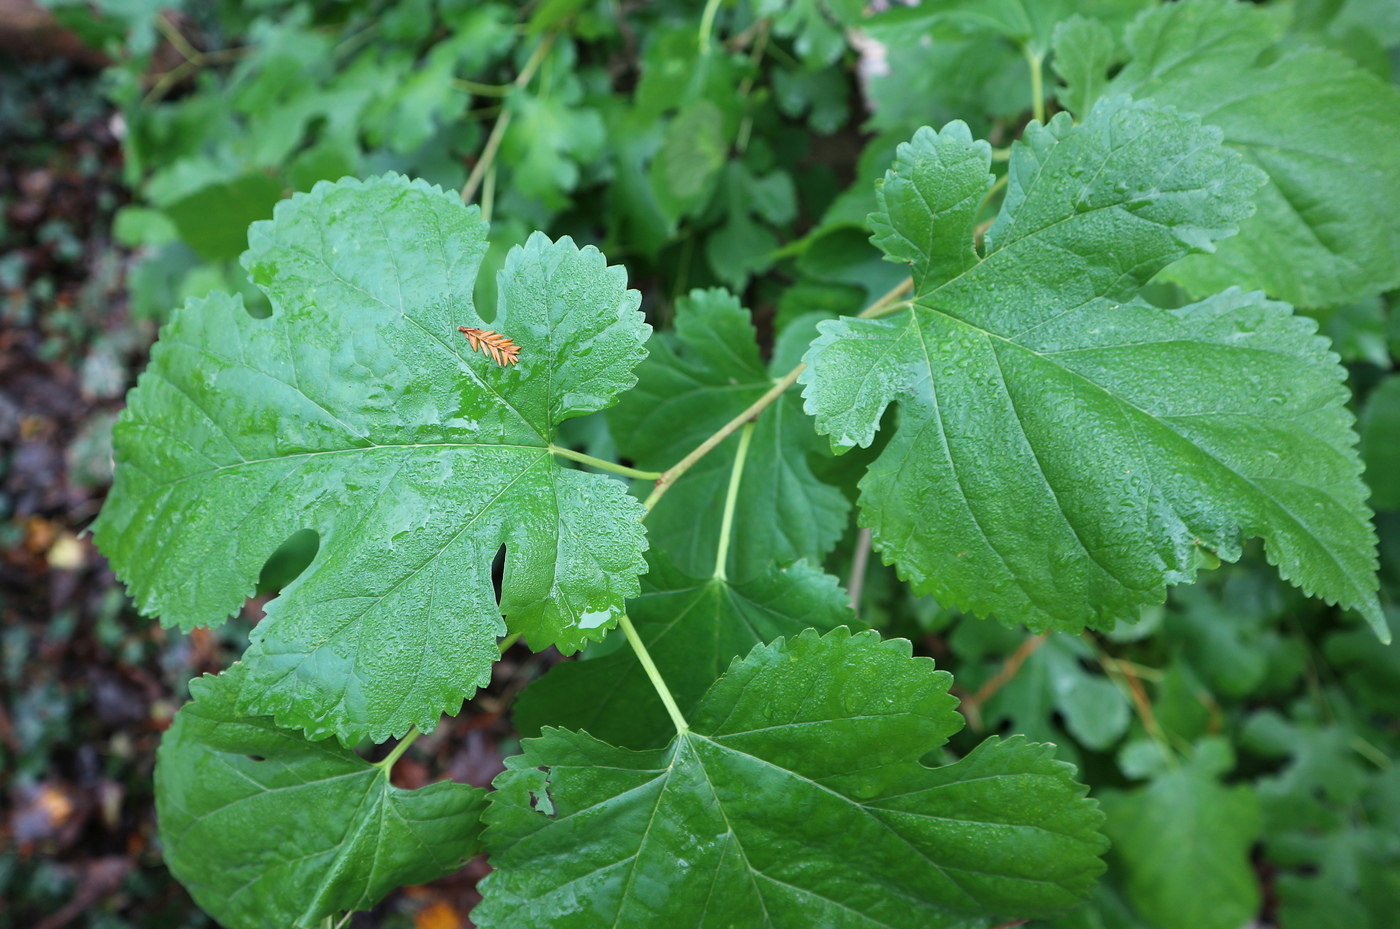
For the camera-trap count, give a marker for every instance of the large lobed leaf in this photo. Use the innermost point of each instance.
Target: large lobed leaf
(1063, 449)
(359, 411)
(693, 628)
(796, 799)
(687, 391)
(267, 829)
(1327, 132)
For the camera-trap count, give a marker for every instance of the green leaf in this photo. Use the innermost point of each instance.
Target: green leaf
(693, 628)
(815, 26)
(1380, 443)
(743, 247)
(1183, 844)
(824, 96)
(1028, 23)
(357, 410)
(1327, 133)
(796, 799)
(692, 153)
(265, 828)
(1084, 50)
(548, 140)
(917, 77)
(212, 220)
(1064, 451)
(684, 394)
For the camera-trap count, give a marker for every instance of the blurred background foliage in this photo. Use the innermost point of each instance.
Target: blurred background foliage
(1242, 738)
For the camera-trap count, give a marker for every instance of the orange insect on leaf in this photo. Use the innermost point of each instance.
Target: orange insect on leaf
(503, 350)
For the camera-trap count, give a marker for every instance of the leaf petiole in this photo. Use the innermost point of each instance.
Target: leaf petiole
(603, 465)
(727, 523)
(409, 738)
(1036, 60)
(891, 302)
(673, 473)
(654, 675)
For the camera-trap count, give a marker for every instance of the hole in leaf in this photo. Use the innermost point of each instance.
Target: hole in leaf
(498, 571)
(256, 758)
(291, 558)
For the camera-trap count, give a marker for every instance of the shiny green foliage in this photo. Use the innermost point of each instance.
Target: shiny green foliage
(796, 799)
(1092, 392)
(1327, 229)
(265, 828)
(693, 627)
(357, 410)
(688, 388)
(1065, 450)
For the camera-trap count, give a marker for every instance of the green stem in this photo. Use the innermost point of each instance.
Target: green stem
(1035, 60)
(888, 303)
(707, 24)
(483, 90)
(994, 190)
(508, 641)
(891, 302)
(498, 131)
(488, 195)
(409, 738)
(673, 473)
(682, 727)
(730, 498)
(604, 465)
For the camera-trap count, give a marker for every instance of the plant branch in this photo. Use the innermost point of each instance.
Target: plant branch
(730, 498)
(891, 302)
(488, 195)
(657, 681)
(604, 465)
(1123, 675)
(972, 705)
(483, 90)
(859, 562)
(707, 24)
(673, 473)
(508, 641)
(1037, 83)
(498, 131)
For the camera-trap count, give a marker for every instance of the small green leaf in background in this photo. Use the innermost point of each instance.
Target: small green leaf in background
(1064, 450)
(692, 154)
(688, 389)
(693, 628)
(1325, 131)
(1183, 843)
(796, 799)
(267, 829)
(553, 135)
(1380, 443)
(359, 411)
(214, 219)
(1084, 50)
(745, 244)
